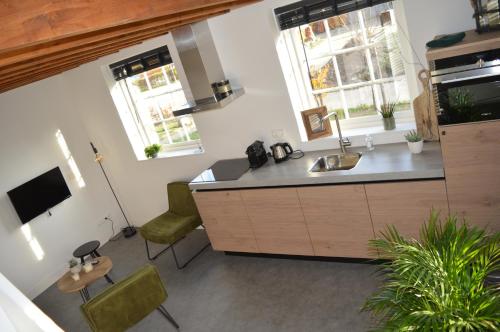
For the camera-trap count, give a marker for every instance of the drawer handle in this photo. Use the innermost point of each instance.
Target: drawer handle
(443, 133)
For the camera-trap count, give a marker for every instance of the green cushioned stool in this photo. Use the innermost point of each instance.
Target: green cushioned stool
(173, 226)
(127, 302)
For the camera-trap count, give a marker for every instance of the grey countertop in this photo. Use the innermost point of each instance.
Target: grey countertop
(386, 163)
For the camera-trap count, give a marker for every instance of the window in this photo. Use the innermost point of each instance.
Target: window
(150, 90)
(350, 63)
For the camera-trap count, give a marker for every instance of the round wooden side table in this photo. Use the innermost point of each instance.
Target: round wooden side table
(66, 284)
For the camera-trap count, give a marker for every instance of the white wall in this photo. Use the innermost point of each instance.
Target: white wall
(79, 102)
(29, 119)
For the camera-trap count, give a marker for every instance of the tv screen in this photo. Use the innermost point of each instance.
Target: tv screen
(39, 195)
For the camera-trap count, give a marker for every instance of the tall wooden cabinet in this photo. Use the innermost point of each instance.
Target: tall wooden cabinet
(406, 205)
(277, 221)
(226, 221)
(471, 154)
(338, 220)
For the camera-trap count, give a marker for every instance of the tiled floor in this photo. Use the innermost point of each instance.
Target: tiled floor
(220, 293)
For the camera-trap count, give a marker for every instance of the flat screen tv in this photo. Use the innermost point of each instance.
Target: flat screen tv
(39, 195)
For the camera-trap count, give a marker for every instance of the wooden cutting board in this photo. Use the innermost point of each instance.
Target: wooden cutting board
(425, 113)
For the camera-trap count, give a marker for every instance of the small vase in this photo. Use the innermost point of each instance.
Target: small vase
(75, 276)
(87, 267)
(389, 123)
(416, 147)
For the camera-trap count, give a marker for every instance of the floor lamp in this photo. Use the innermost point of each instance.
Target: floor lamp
(130, 230)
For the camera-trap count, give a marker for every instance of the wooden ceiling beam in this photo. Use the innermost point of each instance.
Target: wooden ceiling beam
(42, 40)
(83, 54)
(27, 24)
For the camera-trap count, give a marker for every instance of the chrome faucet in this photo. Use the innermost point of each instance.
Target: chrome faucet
(343, 141)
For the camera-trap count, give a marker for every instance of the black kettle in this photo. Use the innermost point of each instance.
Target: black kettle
(281, 152)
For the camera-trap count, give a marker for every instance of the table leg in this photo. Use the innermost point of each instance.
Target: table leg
(108, 279)
(84, 293)
(97, 254)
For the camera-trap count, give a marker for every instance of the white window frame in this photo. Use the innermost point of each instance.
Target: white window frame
(295, 64)
(190, 146)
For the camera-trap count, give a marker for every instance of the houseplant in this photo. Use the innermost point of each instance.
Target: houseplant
(387, 111)
(74, 268)
(415, 142)
(437, 283)
(152, 150)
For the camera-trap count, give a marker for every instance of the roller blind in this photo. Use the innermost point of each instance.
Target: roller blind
(307, 11)
(141, 63)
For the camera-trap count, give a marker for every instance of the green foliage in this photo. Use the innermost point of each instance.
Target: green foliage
(72, 263)
(461, 99)
(152, 150)
(437, 283)
(387, 109)
(413, 136)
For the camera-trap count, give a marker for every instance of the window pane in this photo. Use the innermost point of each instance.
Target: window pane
(139, 82)
(397, 92)
(377, 21)
(156, 78)
(360, 102)
(345, 31)
(315, 39)
(188, 123)
(165, 105)
(332, 101)
(322, 73)
(162, 134)
(171, 73)
(353, 67)
(175, 130)
(381, 59)
(147, 109)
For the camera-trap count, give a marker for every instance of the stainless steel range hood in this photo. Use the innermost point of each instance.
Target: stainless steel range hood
(202, 67)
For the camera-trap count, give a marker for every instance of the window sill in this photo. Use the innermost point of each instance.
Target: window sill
(378, 130)
(178, 153)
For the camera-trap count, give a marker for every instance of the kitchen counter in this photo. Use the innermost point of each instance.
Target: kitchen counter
(389, 162)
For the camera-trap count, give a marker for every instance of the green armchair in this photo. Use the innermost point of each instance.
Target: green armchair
(127, 302)
(173, 225)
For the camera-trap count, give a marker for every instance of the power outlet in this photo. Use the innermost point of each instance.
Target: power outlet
(107, 218)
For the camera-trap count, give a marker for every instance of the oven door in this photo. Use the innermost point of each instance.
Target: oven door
(468, 96)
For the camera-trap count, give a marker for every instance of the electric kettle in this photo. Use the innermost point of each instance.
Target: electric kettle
(281, 151)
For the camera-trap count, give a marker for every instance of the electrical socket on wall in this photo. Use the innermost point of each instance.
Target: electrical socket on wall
(107, 217)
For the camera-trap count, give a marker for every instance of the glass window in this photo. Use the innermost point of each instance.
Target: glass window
(155, 94)
(350, 63)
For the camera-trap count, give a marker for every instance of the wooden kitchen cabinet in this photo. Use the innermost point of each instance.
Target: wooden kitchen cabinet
(226, 221)
(406, 205)
(338, 220)
(278, 221)
(471, 154)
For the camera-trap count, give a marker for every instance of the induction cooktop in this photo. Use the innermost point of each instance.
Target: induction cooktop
(224, 170)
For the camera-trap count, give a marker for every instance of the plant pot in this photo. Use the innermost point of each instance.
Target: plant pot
(389, 123)
(416, 147)
(87, 267)
(154, 155)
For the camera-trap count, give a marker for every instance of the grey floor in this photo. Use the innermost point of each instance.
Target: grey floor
(221, 293)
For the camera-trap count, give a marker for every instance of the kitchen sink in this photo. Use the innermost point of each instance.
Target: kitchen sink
(336, 162)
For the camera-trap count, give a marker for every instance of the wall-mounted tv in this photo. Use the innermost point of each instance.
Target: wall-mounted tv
(39, 194)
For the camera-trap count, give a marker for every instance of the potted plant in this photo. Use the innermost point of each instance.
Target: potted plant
(387, 111)
(75, 268)
(152, 150)
(437, 283)
(415, 142)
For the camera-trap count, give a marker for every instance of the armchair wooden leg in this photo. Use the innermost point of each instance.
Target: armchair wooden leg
(167, 315)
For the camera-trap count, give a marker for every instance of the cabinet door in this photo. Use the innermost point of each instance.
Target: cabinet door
(338, 220)
(226, 221)
(406, 205)
(471, 154)
(278, 221)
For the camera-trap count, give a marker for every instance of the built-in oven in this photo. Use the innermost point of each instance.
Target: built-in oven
(466, 88)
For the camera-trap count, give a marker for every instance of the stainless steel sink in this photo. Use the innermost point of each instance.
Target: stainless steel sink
(336, 162)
